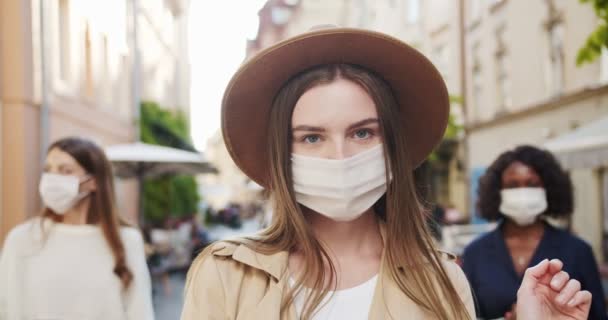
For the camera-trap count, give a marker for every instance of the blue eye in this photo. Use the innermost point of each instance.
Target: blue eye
(362, 134)
(311, 139)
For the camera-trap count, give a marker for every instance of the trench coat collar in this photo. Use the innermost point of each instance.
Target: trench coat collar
(275, 264)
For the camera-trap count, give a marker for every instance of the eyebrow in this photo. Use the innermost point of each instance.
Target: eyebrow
(352, 126)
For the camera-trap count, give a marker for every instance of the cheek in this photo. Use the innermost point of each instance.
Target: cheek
(356, 146)
(88, 186)
(308, 150)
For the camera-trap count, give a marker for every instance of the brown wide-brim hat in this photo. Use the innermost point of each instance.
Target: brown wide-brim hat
(416, 84)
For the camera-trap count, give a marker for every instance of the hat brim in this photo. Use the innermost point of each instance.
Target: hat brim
(418, 88)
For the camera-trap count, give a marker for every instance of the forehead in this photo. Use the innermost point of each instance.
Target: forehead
(333, 103)
(59, 157)
(519, 169)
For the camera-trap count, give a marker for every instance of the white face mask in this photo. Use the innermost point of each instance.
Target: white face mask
(523, 205)
(60, 192)
(340, 189)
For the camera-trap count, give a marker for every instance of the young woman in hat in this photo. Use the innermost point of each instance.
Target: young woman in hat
(332, 122)
(78, 260)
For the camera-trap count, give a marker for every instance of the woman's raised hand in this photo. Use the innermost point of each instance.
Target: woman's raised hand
(547, 292)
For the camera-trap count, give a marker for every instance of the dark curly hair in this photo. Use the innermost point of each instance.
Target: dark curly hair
(556, 182)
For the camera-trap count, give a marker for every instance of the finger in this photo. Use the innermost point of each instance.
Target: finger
(555, 266)
(567, 293)
(533, 275)
(580, 298)
(559, 280)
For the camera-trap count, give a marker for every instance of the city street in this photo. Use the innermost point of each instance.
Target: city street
(152, 129)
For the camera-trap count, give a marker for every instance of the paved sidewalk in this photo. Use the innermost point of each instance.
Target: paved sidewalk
(169, 307)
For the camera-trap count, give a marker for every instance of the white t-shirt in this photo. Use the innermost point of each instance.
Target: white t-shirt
(352, 304)
(70, 275)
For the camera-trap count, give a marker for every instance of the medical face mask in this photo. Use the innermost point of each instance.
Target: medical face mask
(340, 189)
(523, 205)
(60, 192)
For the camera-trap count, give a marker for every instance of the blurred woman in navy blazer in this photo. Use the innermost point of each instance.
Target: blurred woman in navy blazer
(519, 189)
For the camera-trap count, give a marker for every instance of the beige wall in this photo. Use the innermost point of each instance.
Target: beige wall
(587, 218)
(164, 62)
(20, 129)
(437, 26)
(486, 143)
(312, 13)
(230, 184)
(526, 43)
(526, 46)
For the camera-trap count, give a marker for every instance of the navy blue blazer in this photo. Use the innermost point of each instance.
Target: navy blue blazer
(494, 281)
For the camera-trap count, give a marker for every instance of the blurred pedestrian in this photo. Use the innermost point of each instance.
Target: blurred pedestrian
(436, 221)
(322, 121)
(520, 189)
(78, 259)
(161, 240)
(453, 215)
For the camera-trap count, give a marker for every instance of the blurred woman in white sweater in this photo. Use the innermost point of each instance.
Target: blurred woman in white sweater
(78, 259)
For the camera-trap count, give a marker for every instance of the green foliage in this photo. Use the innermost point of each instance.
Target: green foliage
(453, 129)
(175, 196)
(164, 127)
(156, 200)
(598, 39)
(184, 195)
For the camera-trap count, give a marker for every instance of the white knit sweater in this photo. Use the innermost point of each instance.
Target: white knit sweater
(66, 272)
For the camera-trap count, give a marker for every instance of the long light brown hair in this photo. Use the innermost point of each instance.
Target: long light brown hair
(426, 281)
(102, 211)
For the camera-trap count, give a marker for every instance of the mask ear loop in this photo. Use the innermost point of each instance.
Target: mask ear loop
(86, 179)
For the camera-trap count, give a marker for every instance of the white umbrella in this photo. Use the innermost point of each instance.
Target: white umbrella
(144, 161)
(141, 160)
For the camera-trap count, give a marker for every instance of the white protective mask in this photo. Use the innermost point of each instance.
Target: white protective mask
(523, 205)
(60, 192)
(340, 189)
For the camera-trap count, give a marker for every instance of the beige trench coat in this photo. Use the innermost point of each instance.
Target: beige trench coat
(235, 282)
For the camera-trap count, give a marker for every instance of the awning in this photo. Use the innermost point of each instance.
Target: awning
(585, 147)
(148, 161)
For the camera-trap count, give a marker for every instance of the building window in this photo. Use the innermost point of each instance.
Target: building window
(477, 81)
(413, 11)
(503, 82)
(554, 68)
(105, 84)
(475, 9)
(280, 15)
(495, 4)
(441, 59)
(63, 20)
(88, 63)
